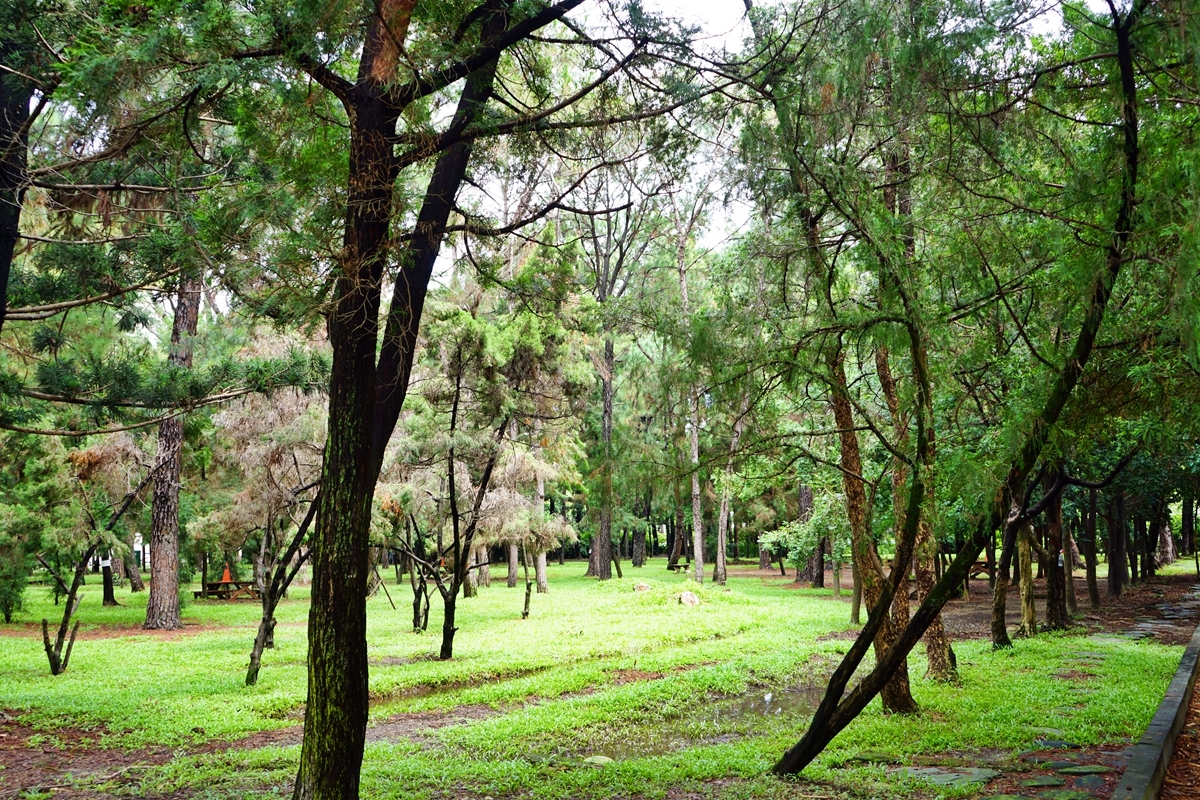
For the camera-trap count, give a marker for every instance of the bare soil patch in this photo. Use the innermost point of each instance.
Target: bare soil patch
(33, 630)
(1183, 772)
(31, 759)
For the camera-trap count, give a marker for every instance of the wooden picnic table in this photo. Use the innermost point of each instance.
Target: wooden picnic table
(230, 590)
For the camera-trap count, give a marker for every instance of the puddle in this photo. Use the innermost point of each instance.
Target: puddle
(767, 704)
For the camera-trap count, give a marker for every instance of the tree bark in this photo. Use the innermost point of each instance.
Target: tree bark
(16, 97)
(1056, 590)
(1118, 577)
(512, 564)
(162, 607)
(602, 544)
(1028, 610)
(110, 599)
(896, 694)
(1089, 550)
(1069, 570)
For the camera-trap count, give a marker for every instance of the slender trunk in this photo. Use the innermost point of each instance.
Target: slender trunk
(1056, 593)
(1117, 565)
(1089, 550)
(937, 645)
(110, 599)
(512, 564)
(539, 568)
(697, 509)
(162, 607)
(855, 592)
(602, 544)
(723, 514)
(1069, 571)
(470, 586)
(896, 694)
(1028, 610)
(528, 583)
(263, 640)
(133, 572)
(1133, 548)
(448, 629)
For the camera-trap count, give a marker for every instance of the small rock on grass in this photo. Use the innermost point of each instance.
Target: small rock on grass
(1085, 769)
(1043, 781)
(689, 599)
(641, 586)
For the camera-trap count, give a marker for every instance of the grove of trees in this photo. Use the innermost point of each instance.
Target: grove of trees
(327, 289)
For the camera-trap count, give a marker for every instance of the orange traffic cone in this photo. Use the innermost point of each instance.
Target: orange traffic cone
(226, 578)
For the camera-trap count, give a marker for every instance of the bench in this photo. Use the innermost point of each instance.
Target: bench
(230, 590)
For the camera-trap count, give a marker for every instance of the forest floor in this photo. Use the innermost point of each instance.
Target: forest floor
(604, 692)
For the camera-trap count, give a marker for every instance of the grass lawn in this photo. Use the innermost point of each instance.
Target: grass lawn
(676, 695)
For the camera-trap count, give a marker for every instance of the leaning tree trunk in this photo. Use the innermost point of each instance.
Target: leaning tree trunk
(162, 607)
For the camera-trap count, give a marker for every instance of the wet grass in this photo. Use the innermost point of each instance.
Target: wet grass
(676, 695)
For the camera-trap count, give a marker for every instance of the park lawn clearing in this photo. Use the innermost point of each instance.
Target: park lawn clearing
(685, 701)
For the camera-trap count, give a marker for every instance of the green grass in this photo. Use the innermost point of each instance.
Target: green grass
(553, 683)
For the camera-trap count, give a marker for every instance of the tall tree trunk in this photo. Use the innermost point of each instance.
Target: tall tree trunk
(1056, 590)
(16, 98)
(896, 694)
(539, 568)
(723, 514)
(1089, 550)
(639, 547)
(162, 607)
(512, 564)
(110, 599)
(1118, 576)
(1166, 539)
(602, 544)
(1069, 553)
(1028, 610)
(937, 645)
